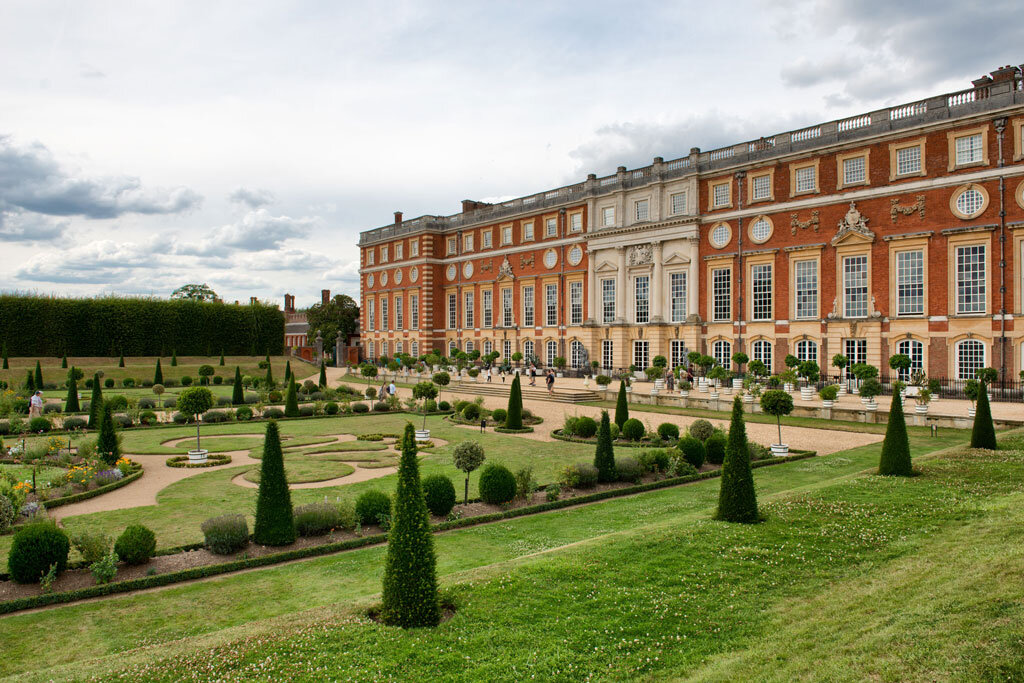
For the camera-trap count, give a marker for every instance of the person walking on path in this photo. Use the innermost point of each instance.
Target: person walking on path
(550, 379)
(670, 382)
(35, 405)
(490, 372)
(533, 375)
(392, 389)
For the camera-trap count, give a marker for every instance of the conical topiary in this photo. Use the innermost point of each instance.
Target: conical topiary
(7, 365)
(71, 404)
(323, 375)
(983, 435)
(64, 363)
(291, 402)
(287, 371)
(158, 375)
(269, 379)
(237, 393)
(30, 382)
(895, 460)
(174, 359)
(737, 501)
(96, 403)
(274, 522)
(604, 456)
(120, 363)
(514, 414)
(410, 580)
(222, 358)
(621, 406)
(39, 376)
(106, 443)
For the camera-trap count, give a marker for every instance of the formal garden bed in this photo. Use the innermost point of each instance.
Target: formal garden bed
(212, 460)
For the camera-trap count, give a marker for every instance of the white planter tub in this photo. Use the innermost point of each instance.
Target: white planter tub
(921, 409)
(780, 450)
(423, 435)
(826, 404)
(198, 457)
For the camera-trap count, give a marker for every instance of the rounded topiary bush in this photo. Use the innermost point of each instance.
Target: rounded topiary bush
(444, 406)
(35, 548)
(226, 534)
(179, 418)
(569, 428)
(360, 408)
(459, 406)
(633, 429)
(74, 423)
(381, 407)
(331, 408)
(615, 430)
(439, 492)
(586, 427)
(582, 475)
(273, 413)
(715, 447)
(306, 411)
(692, 451)
(123, 421)
(373, 506)
(135, 545)
(497, 484)
(668, 431)
(701, 429)
(471, 412)
(628, 469)
(499, 415)
(243, 413)
(118, 402)
(40, 424)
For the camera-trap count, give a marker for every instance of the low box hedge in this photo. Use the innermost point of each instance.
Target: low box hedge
(212, 460)
(86, 495)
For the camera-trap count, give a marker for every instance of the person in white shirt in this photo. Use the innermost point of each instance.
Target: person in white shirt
(35, 408)
(392, 389)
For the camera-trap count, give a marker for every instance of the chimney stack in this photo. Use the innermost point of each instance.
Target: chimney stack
(325, 296)
(252, 301)
(289, 303)
(398, 218)
(1006, 73)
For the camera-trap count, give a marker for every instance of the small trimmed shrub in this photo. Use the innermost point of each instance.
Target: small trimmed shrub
(692, 451)
(499, 415)
(552, 492)
(331, 408)
(429, 405)
(569, 428)
(215, 416)
(654, 460)
(758, 452)
(128, 382)
(373, 507)
(317, 519)
(7, 514)
(171, 403)
(381, 407)
(135, 545)
(179, 418)
(715, 447)
(628, 469)
(459, 406)
(525, 483)
(108, 383)
(471, 412)
(582, 475)
(92, 547)
(586, 427)
(226, 534)
(243, 413)
(443, 406)
(147, 403)
(360, 408)
(118, 402)
(668, 431)
(681, 468)
(74, 423)
(123, 421)
(35, 548)
(633, 429)
(186, 381)
(39, 424)
(701, 429)
(614, 428)
(497, 484)
(439, 492)
(273, 413)
(527, 415)
(306, 410)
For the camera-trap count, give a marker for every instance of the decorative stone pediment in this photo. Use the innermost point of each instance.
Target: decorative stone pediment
(853, 227)
(505, 270)
(676, 259)
(606, 267)
(640, 255)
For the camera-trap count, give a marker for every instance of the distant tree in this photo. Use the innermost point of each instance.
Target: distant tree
(291, 403)
(340, 315)
(158, 375)
(39, 376)
(514, 411)
(107, 446)
(983, 434)
(468, 456)
(323, 376)
(195, 401)
(195, 293)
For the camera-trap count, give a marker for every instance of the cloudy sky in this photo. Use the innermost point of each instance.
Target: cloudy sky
(145, 145)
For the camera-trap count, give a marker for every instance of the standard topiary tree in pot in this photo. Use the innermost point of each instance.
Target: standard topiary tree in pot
(604, 455)
(423, 391)
(737, 501)
(195, 401)
(778, 403)
(468, 456)
(291, 401)
(514, 413)
(441, 379)
(983, 434)
(740, 358)
(237, 390)
(274, 516)
(410, 580)
(621, 405)
(895, 460)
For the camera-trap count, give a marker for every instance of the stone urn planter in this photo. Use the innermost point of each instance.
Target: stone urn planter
(198, 457)
(806, 393)
(827, 404)
(780, 450)
(659, 384)
(423, 435)
(842, 389)
(702, 387)
(865, 401)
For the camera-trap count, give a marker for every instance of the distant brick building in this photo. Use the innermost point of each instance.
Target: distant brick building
(895, 231)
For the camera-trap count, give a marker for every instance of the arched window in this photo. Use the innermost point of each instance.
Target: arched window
(970, 357)
(722, 352)
(488, 347)
(415, 350)
(469, 346)
(369, 350)
(552, 348)
(398, 348)
(384, 348)
(452, 348)
(576, 354)
(915, 351)
(807, 350)
(528, 349)
(762, 351)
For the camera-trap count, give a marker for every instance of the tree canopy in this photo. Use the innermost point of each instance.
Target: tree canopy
(339, 315)
(195, 292)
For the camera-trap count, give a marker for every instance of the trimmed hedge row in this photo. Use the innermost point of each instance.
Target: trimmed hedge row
(212, 460)
(623, 443)
(503, 430)
(86, 495)
(330, 548)
(113, 326)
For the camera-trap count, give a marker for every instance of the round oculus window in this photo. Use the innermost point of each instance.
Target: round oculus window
(970, 202)
(575, 256)
(414, 274)
(369, 280)
(467, 269)
(398, 276)
(451, 272)
(550, 258)
(760, 230)
(720, 236)
(383, 279)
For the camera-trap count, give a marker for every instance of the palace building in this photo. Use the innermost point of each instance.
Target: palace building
(895, 231)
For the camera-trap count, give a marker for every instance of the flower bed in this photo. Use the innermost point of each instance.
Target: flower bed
(212, 460)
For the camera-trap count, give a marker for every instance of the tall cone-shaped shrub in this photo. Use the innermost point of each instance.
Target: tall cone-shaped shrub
(7, 363)
(96, 403)
(737, 501)
(621, 406)
(106, 443)
(222, 358)
(983, 435)
(287, 371)
(237, 393)
(291, 403)
(39, 376)
(274, 521)
(514, 414)
(269, 379)
(158, 374)
(410, 580)
(30, 382)
(323, 375)
(71, 404)
(895, 460)
(64, 363)
(604, 456)
(174, 359)
(120, 362)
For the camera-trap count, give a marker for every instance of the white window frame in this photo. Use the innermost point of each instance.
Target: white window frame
(910, 282)
(677, 296)
(608, 300)
(398, 251)
(855, 293)
(487, 239)
(761, 349)
(806, 179)
(551, 352)
(506, 350)
(399, 314)
(453, 246)
(575, 303)
(529, 302)
(806, 289)
(721, 351)
(720, 195)
(677, 353)
(551, 227)
(507, 307)
(642, 209)
(973, 152)
(855, 170)
(641, 353)
(467, 242)
(414, 311)
(721, 294)
(468, 309)
(971, 294)
(453, 311)
(528, 231)
(762, 291)
(677, 202)
(968, 370)
(528, 348)
(914, 350)
(807, 349)
(908, 160)
(607, 353)
(414, 247)
(506, 235)
(608, 216)
(576, 222)
(642, 299)
(487, 303)
(551, 305)
(856, 351)
(761, 187)
(384, 322)
(576, 354)
(371, 318)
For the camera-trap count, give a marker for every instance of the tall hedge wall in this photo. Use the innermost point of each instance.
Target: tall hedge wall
(111, 326)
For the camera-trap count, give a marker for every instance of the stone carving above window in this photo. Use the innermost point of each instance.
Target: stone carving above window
(853, 223)
(640, 255)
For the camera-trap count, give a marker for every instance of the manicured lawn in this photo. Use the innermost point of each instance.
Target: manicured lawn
(303, 469)
(43, 475)
(843, 581)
